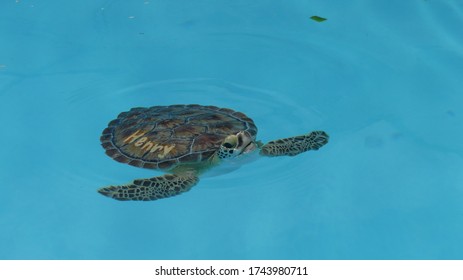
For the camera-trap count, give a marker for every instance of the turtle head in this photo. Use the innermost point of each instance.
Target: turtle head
(236, 144)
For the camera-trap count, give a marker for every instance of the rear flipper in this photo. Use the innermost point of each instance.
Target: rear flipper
(151, 189)
(295, 145)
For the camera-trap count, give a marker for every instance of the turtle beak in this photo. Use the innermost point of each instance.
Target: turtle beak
(245, 143)
(249, 148)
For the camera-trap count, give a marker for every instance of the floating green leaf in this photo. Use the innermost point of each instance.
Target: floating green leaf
(317, 18)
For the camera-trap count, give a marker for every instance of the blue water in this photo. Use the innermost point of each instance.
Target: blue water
(382, 77)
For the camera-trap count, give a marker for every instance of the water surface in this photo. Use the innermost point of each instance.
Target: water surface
(383, 79)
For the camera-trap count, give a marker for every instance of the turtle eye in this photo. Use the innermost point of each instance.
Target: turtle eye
(230, 142)
(227, 145)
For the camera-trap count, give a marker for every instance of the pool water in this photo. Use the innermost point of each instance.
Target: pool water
(383, 78)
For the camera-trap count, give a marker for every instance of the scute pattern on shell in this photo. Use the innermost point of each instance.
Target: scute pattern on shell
(161, 137)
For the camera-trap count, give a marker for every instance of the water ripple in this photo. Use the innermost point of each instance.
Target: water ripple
(264, 106)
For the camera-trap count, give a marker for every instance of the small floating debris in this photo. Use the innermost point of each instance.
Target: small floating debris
(131, 17)
(317, 18)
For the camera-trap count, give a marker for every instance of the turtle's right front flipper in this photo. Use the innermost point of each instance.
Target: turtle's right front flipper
(295, 145)
(153, 188)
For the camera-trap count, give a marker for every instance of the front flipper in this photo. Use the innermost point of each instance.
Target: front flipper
(295, 145)
(151, 189)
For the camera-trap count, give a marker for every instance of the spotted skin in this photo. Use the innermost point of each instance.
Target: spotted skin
(295, 145)
(151, 189)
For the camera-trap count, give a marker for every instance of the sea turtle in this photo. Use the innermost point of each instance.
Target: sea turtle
(186, 140)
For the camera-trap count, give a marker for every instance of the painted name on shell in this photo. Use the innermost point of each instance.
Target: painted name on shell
(147, 145)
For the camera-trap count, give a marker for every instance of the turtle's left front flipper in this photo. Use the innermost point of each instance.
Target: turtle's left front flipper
(151, 189)
(295, 145)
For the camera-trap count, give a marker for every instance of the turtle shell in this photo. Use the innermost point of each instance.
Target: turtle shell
(162, 137)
